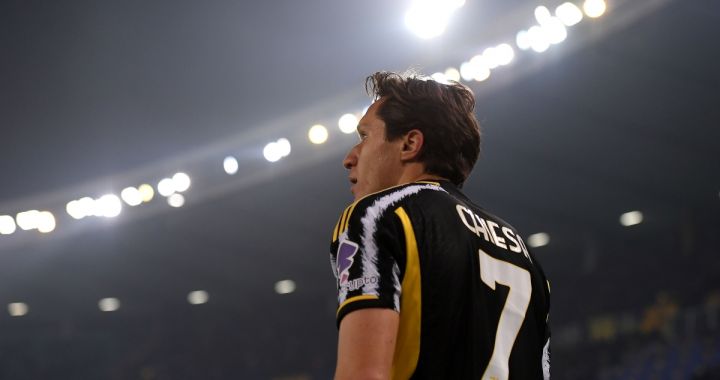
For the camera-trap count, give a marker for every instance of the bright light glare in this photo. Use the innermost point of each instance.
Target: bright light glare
(17, 309)
(147, 192)
(523, 40)
(480, 68)
(181, 182)
(569, 14)
(272, 152)
(348, 123)
(46, 222)
(318, 134)
(198, 297)
(538, 240)
(86, 207)
(176, 200)
(594, 8)
(109, 304)
(131, 196)
(7, 225)
(428, 19)
(276, 150)
(538, 39)
(504, 54)
(285, 286)
(467, 72)
(490, 58)
(284, 147)
(230, 164)
(28, 220)
(554, 30)
(542, 14)
(166, 187)
(440, 78)
(631, 218)
(452, 74)
(108, 205)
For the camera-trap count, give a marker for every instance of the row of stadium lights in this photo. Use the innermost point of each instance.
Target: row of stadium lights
(197, 297)
(106, 206)
(551, 29)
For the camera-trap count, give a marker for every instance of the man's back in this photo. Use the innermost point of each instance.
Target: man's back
(473, 302)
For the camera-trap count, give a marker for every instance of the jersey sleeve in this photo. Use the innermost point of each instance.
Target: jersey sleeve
(367, 257)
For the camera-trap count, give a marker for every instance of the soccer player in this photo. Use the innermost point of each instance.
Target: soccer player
(430, 285)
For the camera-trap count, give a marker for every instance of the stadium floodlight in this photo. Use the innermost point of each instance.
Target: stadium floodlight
(276, 150)
(452, 74)
(348, 123)
(109, 304)
(285, 287)
(198, 297)
(504, 54)
(86, 207)
(480, 68)
(181, 182)
(631, 218)
(490, 58)
(46, 222)
(230, 165)
(17, 309)
(538, 39)
(318, 134)
(538, 240)
(166, 187)
(554, 30)
(7, 225)
(542, 14)
(146, 192)
(428, 19)
(568, 13)
(440, 78)
(522, 40)
(28, 220)
(467, 72)
(73, 209)
(176, 200)
(594, 8)
(283, 146)
(271, 152)
(131, 196)
(109, 206)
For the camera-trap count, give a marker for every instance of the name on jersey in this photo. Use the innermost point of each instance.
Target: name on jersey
(488, 229)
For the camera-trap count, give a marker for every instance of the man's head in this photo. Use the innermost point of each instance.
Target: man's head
(416, 127)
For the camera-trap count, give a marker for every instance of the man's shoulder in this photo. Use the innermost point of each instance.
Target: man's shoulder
(393, 197)
(371, 210)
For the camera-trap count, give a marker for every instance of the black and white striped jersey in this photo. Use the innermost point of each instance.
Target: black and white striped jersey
(473, 300)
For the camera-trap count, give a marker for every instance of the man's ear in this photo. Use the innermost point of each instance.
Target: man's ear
(412, 144)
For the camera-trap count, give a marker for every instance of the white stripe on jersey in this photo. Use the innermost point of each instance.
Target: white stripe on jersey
(369, 223)
(546, 361)
(398, 288)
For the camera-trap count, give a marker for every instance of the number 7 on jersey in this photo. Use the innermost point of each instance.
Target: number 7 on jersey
(494, 271)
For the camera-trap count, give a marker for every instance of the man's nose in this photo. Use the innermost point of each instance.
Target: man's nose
(350, 159)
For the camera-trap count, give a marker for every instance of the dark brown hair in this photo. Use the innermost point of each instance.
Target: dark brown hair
(444, 113)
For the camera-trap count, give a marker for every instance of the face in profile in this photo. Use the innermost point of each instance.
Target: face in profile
(374, 163)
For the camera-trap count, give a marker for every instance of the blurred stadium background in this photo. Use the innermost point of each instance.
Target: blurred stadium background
(165, 214)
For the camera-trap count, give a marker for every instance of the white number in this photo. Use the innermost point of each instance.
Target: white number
(517, 279)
